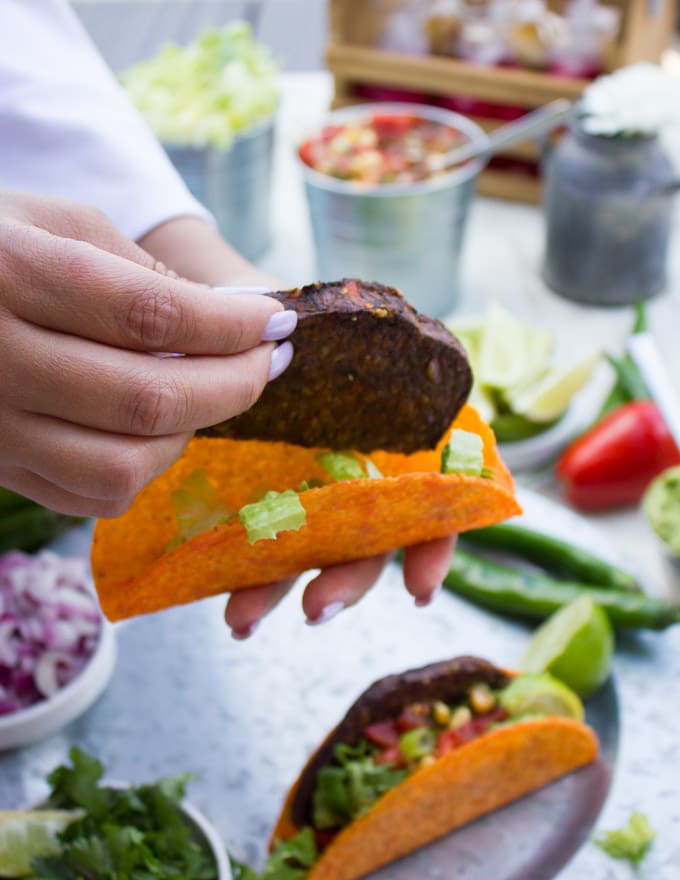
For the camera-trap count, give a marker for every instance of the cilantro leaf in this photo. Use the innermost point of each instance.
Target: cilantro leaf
(137, 833)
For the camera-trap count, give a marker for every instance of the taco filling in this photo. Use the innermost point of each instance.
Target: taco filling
(407, 750)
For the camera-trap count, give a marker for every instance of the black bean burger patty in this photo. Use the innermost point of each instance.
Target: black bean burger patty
(369, 372)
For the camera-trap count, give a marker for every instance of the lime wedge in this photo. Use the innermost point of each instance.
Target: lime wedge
(26, 835)
(540, 695)
(549, 398)
(510, 352)
(575, 644)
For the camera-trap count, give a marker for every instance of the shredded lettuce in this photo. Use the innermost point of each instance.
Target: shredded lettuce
(207, 92)
(464, 454)
(198, 508)
(350, 787)
(276, 512)
(631, 843)
(346, 466)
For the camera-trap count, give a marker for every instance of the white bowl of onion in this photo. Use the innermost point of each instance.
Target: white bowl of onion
(57, 651)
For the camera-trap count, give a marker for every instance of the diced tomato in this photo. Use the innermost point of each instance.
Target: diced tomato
(447, 742)
(391, 755)
(458, 736)
(306, 153)
(382, 733)
(394, 124)
(330, 131)
(410, 719)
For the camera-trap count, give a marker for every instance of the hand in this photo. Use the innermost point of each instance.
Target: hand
(87, 416)
(196, 251)
(338, 587)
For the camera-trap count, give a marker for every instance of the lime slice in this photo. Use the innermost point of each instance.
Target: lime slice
(540, 695)
(510, 352)
(549, 398)
(26, 835)
(575, 645)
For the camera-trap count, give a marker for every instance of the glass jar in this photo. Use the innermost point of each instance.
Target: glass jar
(608, 205)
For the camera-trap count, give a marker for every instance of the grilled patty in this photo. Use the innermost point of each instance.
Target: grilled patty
(369, 372)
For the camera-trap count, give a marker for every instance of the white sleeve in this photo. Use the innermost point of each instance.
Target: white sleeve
(68, 129)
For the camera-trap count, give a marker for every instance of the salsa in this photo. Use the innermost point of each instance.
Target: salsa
(382, 148)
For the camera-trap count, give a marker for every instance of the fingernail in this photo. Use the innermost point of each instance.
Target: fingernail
(421, 603)
(327, 613)
(242, 290)
(280, 325)
(281, 357)
(245, 632)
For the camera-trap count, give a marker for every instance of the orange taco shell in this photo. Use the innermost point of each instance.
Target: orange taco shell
(413, 502)
(486, 773)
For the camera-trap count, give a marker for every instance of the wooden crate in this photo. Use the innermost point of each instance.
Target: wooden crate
(359, 67)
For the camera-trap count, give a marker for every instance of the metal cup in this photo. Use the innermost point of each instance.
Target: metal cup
(408, 236)
(234, 184)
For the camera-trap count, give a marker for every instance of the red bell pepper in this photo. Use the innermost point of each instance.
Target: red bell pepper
(612, 464)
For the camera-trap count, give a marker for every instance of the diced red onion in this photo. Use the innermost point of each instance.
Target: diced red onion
(50, 624)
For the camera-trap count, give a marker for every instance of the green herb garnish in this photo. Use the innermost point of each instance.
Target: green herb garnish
(290, 860)
(276, 512)
(137, 832)
(630, 843)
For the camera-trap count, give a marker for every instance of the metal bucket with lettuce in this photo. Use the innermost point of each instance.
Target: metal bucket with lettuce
(212, 105)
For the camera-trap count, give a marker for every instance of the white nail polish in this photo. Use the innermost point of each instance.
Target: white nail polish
(421, 603)
(236, 291)
(327, 613)
(281, 358)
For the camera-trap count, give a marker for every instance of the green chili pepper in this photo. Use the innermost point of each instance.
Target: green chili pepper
(629, 384)
(529, 594)
(556, 556)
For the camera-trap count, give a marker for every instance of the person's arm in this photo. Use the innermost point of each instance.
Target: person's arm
(193, 249)
(70, 131)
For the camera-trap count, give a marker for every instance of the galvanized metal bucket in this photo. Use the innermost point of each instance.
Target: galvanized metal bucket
(408, 236)
(234, 184)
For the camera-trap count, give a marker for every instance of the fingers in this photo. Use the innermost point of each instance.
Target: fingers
(77, 221)
(246, 608)
(65, 462)
(425, 567)
(126, 392)
(79, 289)
(339, 587)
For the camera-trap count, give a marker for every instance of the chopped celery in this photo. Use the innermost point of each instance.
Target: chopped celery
(276, 512)
(346, 466)
(464, 454)
(198, 508)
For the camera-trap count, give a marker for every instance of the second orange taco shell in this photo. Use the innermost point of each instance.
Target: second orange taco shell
(413, 502)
